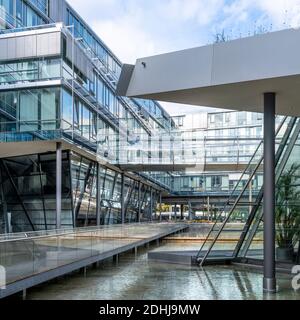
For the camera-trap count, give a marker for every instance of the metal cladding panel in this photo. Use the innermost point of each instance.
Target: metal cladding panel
(57, 10)
(233, 75)
(49, 44)
(3, 49)
(125, 77)
(30, 46)
(11, 48)
(20, 47)
(81, 61)
(254, 58)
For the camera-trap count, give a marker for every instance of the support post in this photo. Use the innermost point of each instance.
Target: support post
(181, 211)
(269, 282)
(98, 212)
(208, 209)
(58, 183)
(139, 202)
(151, 204)
(160, 208)
(190, 210)
(6, 215)
(123, 199)
(24, 294)
(250, 196)
(175, 212)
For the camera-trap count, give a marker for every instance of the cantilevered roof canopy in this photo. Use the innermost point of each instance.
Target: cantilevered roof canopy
(231, 75)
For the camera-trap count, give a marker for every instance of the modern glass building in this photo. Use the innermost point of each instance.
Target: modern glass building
(73, 153)
(59, 112)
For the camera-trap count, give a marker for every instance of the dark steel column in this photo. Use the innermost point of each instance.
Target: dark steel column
(98, 209)
(139, 202)
(190, 210)
(123, 199)
(160, 207)
(175, 212)
(181, 211)
(269, 283)
(151, 204)
(58, 183)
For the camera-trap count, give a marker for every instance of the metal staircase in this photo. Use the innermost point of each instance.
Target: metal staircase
(243, 196)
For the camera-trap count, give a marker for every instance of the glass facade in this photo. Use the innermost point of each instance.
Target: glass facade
(18, 13)
(28, 194)
(76, 107)
(28, 189)
(70, 97)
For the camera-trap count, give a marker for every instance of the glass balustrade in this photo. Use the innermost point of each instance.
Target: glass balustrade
(27, 254)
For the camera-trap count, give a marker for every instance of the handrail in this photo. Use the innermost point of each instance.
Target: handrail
(30, 28)
(237, 200)
(13, 237)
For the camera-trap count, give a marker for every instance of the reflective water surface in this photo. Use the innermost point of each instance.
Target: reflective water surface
(134, 278)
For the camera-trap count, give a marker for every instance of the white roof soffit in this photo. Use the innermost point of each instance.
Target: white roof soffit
(231, 75)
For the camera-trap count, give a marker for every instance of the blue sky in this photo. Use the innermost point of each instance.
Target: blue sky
(139, 28)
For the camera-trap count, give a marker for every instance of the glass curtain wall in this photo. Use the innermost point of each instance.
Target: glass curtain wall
(287, 213)
(17, 13)
(29, 114)
(84, 185)
(29, 192)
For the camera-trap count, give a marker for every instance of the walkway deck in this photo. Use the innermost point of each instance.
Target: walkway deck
(31, 259)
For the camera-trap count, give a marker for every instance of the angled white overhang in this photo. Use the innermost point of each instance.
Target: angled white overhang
(231, 75)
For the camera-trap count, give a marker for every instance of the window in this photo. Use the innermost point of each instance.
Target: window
(48, 109)
(242, 118)
(100, 92)
(28, 112)
(7, 6)
(93, 125)
(85, 122)
(77, 114)
(67, 110)
(227, 117)
(216, 182)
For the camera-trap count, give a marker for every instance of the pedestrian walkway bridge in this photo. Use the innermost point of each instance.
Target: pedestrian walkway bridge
(29, 259)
